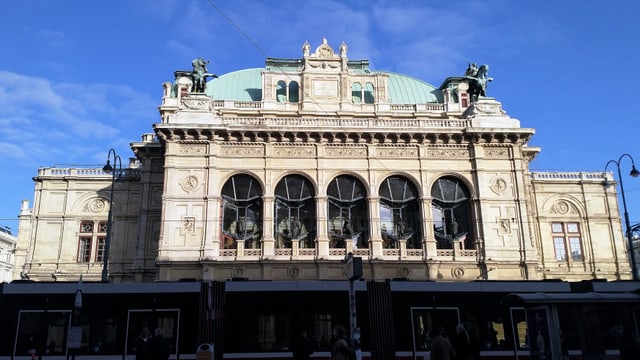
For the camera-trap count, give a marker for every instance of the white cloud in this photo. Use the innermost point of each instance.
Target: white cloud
(42, 120)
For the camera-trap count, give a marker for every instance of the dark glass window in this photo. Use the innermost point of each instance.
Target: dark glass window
(399, 213)
(242, 212)
(369, 98)
(295, 212)
(348, 214)
(293, 91)
(356, 93)
(451, 213)
(281, 91)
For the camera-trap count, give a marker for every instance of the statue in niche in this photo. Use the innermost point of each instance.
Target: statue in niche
(478, 79)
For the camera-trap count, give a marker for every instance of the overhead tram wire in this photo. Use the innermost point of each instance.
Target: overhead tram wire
(246, 36)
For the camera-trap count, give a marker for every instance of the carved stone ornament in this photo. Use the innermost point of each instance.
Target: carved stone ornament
(504, 226)
(201, 103)
(241, 150)
(345, 152)
(397, 152)
(189, 224)
(294, 151)
(561, 207)
(403, 272)
(457, 272)
(445, 153)
(190, 183)
(293, 272)
(237, 272)
(192, 149)
(496, 153)
(97, 205)
(498, 185)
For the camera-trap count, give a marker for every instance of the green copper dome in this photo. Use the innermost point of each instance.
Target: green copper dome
(246, 85)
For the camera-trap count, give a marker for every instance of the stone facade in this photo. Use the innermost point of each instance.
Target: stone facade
(324, 161)
(7, 255)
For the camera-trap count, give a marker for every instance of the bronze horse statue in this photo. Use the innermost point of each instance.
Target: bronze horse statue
(200, 74)
(478, 80)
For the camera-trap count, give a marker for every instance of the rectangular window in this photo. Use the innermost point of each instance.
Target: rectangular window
(576, 248)
(567, 242)
(84, 249)
(100, 248)
(92, 236)
(561, 251)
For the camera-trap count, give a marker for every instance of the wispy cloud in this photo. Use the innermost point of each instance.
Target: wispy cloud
(41, 120)
(54, 38)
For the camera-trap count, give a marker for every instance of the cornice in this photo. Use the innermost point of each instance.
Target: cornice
(197, 133)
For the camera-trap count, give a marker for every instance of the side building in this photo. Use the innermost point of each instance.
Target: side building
(7, 254)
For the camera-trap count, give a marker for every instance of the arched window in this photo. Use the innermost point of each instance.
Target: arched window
(294, 94)
(281, 91)
(356, 93)
(242, 212)
(368, 93)
(348, 214)
(451, 210)
(295, 211)
(399, 213)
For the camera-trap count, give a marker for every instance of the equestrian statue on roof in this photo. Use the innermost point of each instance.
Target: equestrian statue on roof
(198, 75)
(477, 79)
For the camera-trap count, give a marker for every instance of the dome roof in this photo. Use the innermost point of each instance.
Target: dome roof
(246, 85)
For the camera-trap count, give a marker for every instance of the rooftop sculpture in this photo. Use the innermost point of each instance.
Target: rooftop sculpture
(477, 79)
(198, 75)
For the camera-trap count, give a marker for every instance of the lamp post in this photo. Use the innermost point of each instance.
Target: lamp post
(115, 172)
(634, 173)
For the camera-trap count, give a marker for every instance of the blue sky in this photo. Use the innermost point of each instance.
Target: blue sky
(79, 77)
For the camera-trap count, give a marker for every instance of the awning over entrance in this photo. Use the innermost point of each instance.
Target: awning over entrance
(588, 297)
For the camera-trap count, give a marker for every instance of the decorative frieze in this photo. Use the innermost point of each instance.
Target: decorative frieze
(448, 152)
(288, 151)
(345, 151)
(238, 150)
(192, 149)
(496, 153)
(199, 103)
(397, 152)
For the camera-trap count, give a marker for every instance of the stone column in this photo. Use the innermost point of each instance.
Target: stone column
(428, 238)
(322, 238)
(268, 241)
(376, 237)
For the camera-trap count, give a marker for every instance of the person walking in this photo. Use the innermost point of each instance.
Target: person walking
(462, 344)
(440, 346)
(340, 350)
(302, 347)
(141, 347)
(158, 346)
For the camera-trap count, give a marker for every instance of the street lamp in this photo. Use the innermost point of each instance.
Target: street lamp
(634, 173)
(115, 174)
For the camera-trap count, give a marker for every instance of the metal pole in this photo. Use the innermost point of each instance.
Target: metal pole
(634, 173)
(117, 163)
